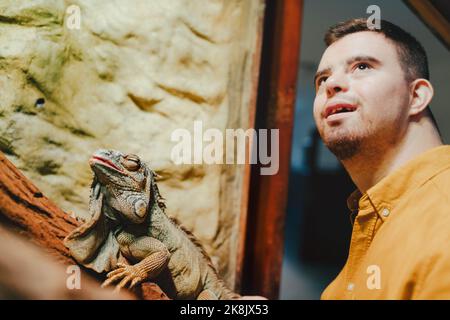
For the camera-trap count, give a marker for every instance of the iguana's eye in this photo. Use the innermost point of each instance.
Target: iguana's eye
(131, 162)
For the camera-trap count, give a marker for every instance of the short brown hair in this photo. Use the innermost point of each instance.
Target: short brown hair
(412, 56)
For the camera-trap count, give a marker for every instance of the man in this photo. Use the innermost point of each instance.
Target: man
(372, 111)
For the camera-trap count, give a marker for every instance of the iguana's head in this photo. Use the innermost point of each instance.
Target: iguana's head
(127, 181)
(122, 170)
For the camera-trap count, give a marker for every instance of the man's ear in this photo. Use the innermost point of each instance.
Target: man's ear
(421, 95)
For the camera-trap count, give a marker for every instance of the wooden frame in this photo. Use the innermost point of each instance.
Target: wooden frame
(435, 14)
(275, 110)
(255, 73)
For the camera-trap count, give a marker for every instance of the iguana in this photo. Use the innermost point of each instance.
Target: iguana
(128, 224)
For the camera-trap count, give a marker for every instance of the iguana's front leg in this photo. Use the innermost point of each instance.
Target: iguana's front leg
(153, 256)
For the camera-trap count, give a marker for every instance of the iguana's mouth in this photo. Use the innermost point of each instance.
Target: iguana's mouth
(104, 162)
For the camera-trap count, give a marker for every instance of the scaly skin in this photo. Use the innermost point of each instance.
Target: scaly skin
(128, 221)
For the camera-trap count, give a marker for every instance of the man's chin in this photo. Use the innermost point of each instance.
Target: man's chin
(344, 148)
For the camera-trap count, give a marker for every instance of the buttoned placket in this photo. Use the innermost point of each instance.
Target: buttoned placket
(362, 236)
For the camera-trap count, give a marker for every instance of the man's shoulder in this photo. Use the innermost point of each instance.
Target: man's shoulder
(439, 185)
(429, 207)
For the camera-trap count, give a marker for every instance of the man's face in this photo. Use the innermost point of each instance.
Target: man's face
(362, 96)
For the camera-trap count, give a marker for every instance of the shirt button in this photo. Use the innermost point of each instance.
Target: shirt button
(385, 212)
(351, 286)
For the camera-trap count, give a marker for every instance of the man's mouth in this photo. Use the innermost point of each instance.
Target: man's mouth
(104, 162)
(339, 108)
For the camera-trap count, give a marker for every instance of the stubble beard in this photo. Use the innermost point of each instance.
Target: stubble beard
(344, 145)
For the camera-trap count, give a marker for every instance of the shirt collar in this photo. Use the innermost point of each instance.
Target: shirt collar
(353, 200)
(386, 193)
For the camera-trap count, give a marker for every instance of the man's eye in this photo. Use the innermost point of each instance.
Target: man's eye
(321, 80)
(362, 66)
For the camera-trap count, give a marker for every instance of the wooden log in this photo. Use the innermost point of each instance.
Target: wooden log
(24, 209)
(28, 273)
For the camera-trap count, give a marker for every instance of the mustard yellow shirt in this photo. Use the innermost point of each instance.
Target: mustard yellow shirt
(400, 244)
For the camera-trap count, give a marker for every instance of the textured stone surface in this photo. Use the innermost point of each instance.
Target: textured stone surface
(133, 72)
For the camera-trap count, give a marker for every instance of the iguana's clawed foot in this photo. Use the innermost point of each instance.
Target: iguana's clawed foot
(128, 274)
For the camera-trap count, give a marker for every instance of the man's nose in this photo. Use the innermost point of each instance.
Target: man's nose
(336, 83)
